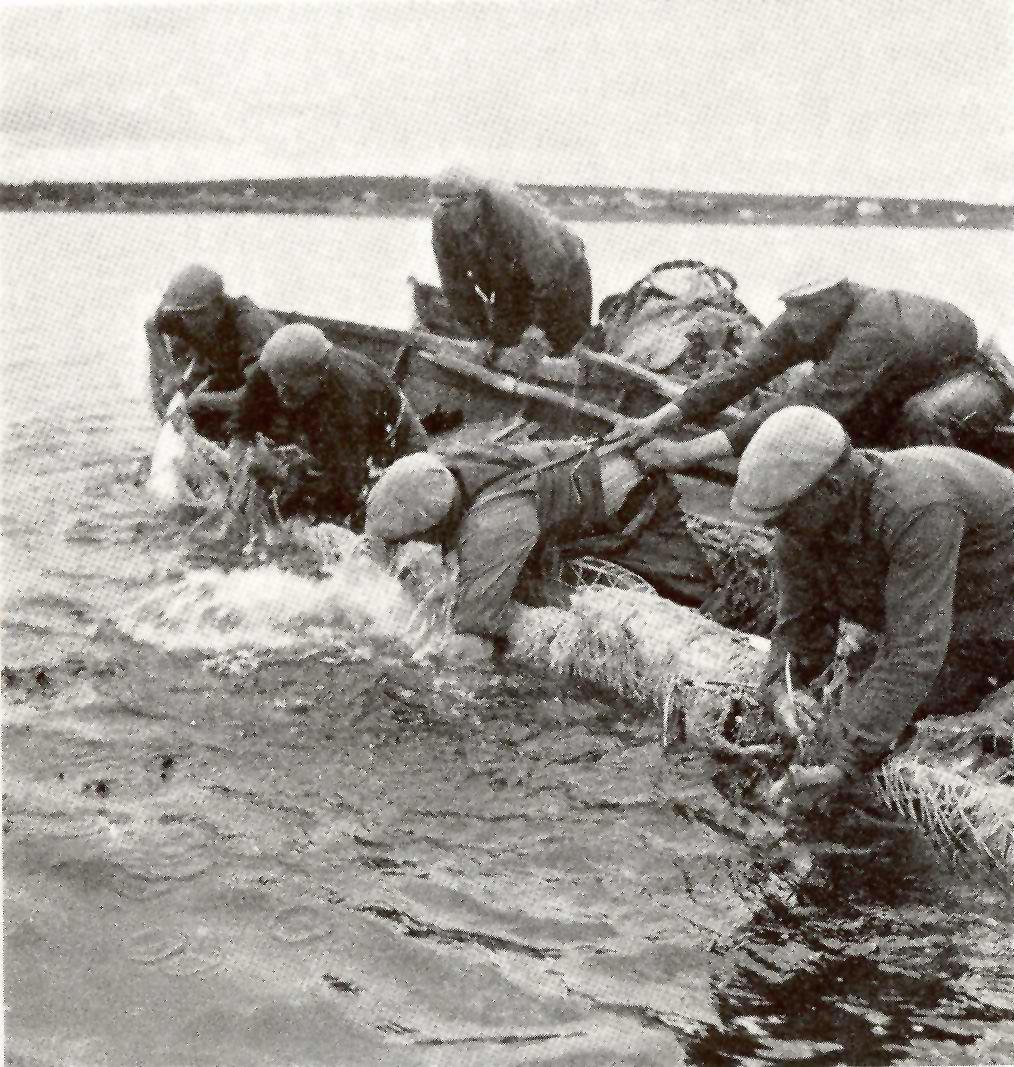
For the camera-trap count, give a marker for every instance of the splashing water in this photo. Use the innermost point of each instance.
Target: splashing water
(268, 608)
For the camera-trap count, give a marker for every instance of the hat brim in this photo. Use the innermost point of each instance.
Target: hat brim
(756, 516)
(177, 309)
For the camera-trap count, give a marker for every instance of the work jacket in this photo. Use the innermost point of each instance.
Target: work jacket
(243, 332)
(359, 417)
(869, 358)
(925, 558)
(507, 508)
(528, 267)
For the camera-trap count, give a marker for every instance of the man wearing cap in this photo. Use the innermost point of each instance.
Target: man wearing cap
(340, 406)
(915, 545)
(500, 507)
(202, 339)
(894, 368)
(506, 264)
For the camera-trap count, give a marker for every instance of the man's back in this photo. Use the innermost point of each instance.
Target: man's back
(860, 570)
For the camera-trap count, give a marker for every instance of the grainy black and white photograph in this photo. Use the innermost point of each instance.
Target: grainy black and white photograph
(508, 533)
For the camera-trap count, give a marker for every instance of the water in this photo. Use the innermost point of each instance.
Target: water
(222, 796)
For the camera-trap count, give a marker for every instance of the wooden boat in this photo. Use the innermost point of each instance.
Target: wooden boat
(444, 378)
(446, 382)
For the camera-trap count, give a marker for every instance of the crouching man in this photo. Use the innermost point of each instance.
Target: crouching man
(343, 409)
(916, 545)
(894, 368)
(202, 342)
(506, 264)
(499, 507)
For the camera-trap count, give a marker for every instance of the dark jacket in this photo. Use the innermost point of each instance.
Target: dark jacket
(926, 559)
(243, 332)
(531, 269)
(359, 417)
(878, 352)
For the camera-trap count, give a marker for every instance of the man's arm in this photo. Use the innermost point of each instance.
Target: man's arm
(458, 286)
(807, 626)
(256, 327)
(767, 356)
(495, 542)
(165, 375)
(840, 385)
(918, 606)
(255, 406)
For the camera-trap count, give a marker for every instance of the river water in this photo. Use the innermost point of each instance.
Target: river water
(241, 826)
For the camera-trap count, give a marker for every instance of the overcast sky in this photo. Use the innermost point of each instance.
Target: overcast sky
(878, 97)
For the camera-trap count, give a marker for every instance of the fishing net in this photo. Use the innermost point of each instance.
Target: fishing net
(745, 597)
(228, 503)
(954, 781)
(644, 648)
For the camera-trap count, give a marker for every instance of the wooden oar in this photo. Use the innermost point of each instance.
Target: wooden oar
(505, 383)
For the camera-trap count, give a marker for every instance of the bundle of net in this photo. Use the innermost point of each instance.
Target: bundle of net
(618, 634)
(953, 781)
(744, 597)
(230, 509)
(952, 778)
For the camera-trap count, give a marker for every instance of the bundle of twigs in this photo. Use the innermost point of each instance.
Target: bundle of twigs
(962, 810)
(641, 647)
(955, 780)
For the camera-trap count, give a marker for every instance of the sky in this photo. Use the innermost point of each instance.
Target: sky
(907, 98)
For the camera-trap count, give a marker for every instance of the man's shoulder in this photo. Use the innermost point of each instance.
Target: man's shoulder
(873, 305)
(252, 316)
(913, 479)
(347, 364)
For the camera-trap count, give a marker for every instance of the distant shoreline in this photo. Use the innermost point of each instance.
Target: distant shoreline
(406, 197)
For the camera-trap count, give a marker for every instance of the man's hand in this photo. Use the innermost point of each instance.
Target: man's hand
(796, 715)
(468, 650)
(518, 361)
(459, 650)
(804, 789)
(665, 455)
(634, 431)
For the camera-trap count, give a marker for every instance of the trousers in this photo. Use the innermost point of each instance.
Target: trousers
(958, 411)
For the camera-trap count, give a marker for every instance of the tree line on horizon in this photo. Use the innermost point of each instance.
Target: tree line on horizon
(381, 195)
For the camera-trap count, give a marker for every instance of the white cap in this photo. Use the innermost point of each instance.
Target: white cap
(412, 496)
(793, 449)
(293, 350)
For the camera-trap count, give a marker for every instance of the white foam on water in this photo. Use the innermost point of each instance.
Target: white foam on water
(268, 608)
(166, 484)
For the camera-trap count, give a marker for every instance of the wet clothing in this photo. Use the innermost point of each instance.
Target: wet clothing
(926, 559)
(530, 269)
(359, 417)
(511, 518)
(244, 330)
(871, 357)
